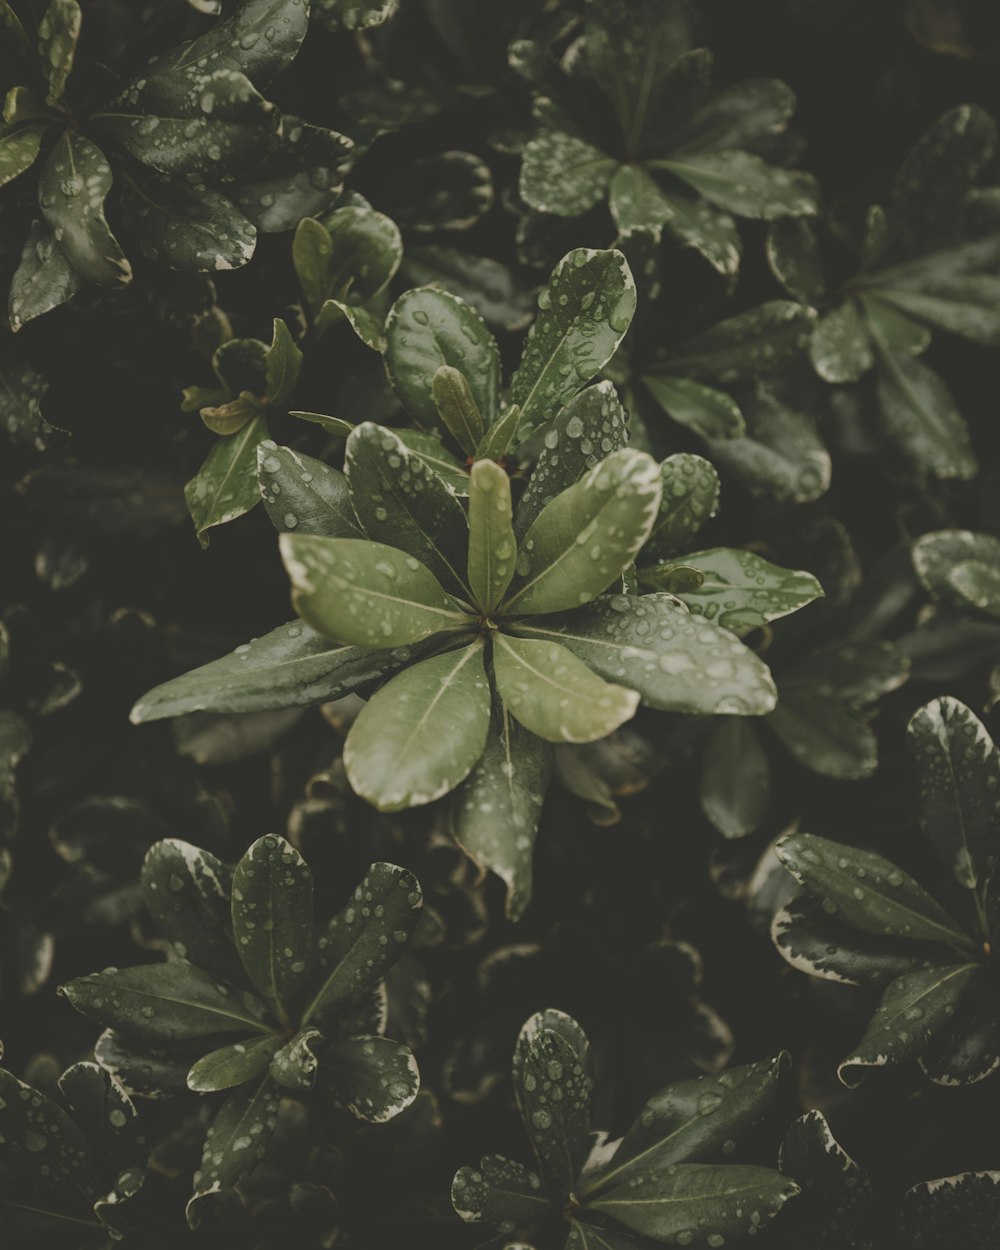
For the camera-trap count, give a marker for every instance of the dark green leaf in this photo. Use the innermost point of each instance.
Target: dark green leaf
(742, 183)
(499, 1192)
(282, 362)
(225, 487)
(677, 662)
(711, 414)
(794, 257)
(107, 1116)
(422, 732)
(300, 179)
(562, 174)
(18, 149)
(457, 409)
(295, 1065)
(272, 919)
(58, 32)
(371, 1077)
(960, 568)
(744, 346)
(959, 770)
(915, 1009)
(292, 666)
(735, 778)
(497, 808)
(192, 228)
(364, 940)
(840, 348)
(186, 891)
(43, 280)
(690, 498)
(233, 1064)
(583, 538)
(584, 312)
(428, 328)
(304, 494)
(741, 591)
(490, 287)
(236, 1142)
(400, 501)
(920, 417)
(165, 1002)
(366, 594)
(554, 694)
(590, 426)
(867, 891)
(72, 187)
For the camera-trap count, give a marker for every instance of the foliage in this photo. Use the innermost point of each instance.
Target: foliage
(537, 461)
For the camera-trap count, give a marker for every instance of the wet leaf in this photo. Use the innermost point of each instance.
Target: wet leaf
(371, 1077)
(225, 487)
(304, 494)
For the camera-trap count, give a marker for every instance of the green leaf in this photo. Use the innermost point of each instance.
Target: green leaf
(933, 1209)
(304, 494)
(428, 328)
(362, 253)
(18, 149)
(149, 1071)
(457, 409)
(240, 365)
(272, 919)
(236, 1142)
(745, 185)
(188, 227)
(899, 332)
(581, 540)
(715, 1199)
(295, 1065)
(915, 1009)
(693, 1121)
(366, 938)
(959, 567)
(225, 487)
(840, 348)
(820, 944)
(492, 546)
(22, 390)
(563, 175)
(709, 413)
(555, 695)
(490, 287)
(782, 457)
(203, 123)
(584, 313)
(58, 32)
(943, 165)
(292, 666)
(690, 499)
(422, 732)
(334, 426)
(282, 362)
(312, 249)
(919, 415)
(48, 1164)
(959, 771)
(301, 177)
(735, 783)
(744, 115)
(366, 594)
(745, 346)
(497, 441)
(430, 449)
(43, 280)
(171, 1002)
(72, 187)
(794, 258)
(867, 891)
(591, 425)
(107, 1116)
(677, 662)
(825, 735)
(371, 1077)
(499, 1192)
(400, 501)
(966, 306)
(232, 1065)
(186, 891)
(497, 808)
(741, 591)
(553, 1085)
(230, 418)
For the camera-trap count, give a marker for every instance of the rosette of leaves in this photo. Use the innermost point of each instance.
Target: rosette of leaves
(862, 920)
(190, 157)
(72, 1173)
(255, 1002)
(631, 116)
(926, 261)
(667, 1180)
(254, 381)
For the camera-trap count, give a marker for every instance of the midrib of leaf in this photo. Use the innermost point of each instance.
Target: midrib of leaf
(638, 118)
(410, 603)
(682, 1198)
(910, 1003)
(527, 629)
(214, 1011)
